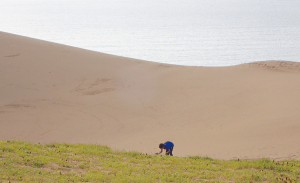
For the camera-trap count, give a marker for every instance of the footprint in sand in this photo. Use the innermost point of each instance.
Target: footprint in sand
(95, 92)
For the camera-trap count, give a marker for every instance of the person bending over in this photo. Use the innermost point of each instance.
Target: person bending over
(168, 146)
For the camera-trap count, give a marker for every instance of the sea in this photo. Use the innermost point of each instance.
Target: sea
(181, 32)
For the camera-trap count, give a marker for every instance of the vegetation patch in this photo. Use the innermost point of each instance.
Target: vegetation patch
(60, 162)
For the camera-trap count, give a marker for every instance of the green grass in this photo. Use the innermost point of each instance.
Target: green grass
(60, 162)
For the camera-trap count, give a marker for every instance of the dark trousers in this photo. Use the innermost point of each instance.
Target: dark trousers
(171, 151)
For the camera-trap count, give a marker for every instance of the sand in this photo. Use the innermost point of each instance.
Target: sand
(55, 93)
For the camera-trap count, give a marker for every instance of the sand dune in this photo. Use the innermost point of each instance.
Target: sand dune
(56, 93)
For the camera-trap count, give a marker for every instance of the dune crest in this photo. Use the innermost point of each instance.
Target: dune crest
(56, 93)
(285, 66)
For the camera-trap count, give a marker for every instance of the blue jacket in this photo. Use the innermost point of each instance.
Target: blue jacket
(168, 145)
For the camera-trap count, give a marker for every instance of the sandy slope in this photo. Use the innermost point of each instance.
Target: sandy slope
(55, 93)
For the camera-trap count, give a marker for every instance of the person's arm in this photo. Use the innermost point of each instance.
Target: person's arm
(161, 150)
(168, 151)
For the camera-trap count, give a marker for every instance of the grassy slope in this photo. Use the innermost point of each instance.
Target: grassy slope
(60, 162)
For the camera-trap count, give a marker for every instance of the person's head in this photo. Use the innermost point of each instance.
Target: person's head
(161, 146)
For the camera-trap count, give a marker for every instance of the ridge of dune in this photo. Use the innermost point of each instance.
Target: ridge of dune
(56, 93)
(283, 66)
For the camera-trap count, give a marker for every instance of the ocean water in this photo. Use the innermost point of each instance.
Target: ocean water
(182, 32)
